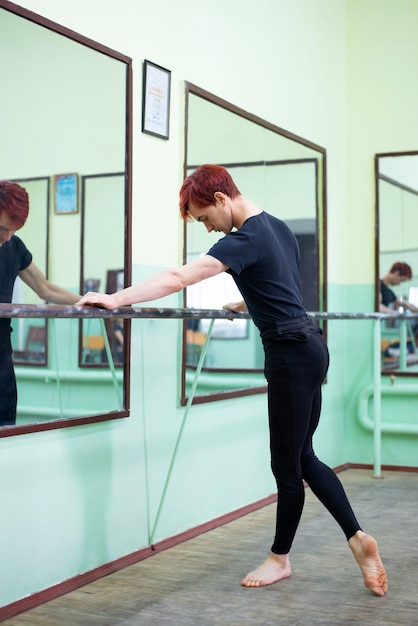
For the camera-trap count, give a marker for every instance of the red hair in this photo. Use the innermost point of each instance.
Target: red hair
(14, 202)
(200, 187)
(403, 268)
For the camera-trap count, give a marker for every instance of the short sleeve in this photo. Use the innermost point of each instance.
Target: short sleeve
(236, 250)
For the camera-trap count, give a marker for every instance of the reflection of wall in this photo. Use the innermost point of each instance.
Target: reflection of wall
(398, 228)
(64, 256)
(45, 391)
(237, 353)
(222, 136)
(402, 169)
(291, 190)
(104, 226)
(75, 121)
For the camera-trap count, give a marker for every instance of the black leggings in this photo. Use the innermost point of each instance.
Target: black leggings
(8, 392)
(295, 371)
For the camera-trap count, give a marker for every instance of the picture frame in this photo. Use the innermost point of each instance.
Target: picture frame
(65, 193)
(156, 100)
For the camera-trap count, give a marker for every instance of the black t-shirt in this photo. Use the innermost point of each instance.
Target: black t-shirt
(14, 257)
(263, 259)
(388, 296)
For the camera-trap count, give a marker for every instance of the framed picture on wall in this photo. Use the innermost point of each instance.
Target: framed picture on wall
(66, 193)
(156, 100)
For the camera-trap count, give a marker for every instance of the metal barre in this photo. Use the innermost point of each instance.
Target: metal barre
(66, 311)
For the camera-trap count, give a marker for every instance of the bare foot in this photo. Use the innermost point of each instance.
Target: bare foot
(365, 551)
(274, 568)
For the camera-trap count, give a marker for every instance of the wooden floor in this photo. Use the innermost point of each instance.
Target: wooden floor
(197, 582)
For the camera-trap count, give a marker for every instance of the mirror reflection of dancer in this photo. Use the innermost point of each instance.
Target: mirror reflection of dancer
(262, 255)
(389, 301)
(16, 260)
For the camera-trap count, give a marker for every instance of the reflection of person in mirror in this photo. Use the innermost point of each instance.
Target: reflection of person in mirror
(389, 301)
(16, 260)
(261, 254)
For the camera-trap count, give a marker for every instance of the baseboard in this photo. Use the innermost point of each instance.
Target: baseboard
(385, 468)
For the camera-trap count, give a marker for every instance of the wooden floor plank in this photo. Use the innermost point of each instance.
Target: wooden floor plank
(197, 582)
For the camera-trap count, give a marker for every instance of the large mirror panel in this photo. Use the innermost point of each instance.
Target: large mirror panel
(68, 112)
(396, 243)
(284, 175)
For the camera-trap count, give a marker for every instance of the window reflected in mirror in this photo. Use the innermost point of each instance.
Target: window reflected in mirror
(397, 258)
(285, 176)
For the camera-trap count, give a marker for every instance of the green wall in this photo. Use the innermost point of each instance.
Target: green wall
(335, 72)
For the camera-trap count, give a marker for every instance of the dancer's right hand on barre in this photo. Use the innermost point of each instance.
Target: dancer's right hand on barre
(103, 300)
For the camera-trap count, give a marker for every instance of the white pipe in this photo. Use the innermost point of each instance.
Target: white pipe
(46, 375)
(377, 400)
(393, 428)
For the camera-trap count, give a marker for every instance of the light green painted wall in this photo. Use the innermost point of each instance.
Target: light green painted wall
(80, 497)
(382, 48)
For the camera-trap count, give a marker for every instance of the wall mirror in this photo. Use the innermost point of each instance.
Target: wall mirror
(68, 142)
(396, 240)
(284, 175)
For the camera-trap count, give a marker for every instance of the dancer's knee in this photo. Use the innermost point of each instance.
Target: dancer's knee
(288, 480)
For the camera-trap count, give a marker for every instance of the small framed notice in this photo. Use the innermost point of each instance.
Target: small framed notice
(66, 193)
(156, 100)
